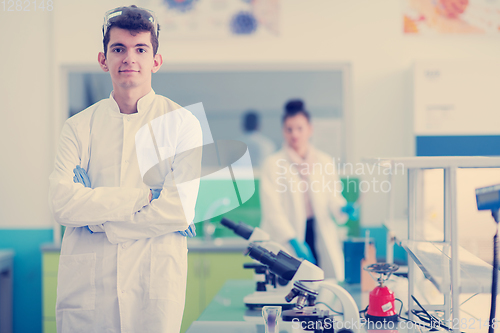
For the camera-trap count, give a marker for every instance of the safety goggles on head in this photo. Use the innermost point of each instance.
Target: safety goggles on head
(113, 14)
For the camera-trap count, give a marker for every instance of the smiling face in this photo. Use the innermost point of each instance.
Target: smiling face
(130, 60)
(297, 131)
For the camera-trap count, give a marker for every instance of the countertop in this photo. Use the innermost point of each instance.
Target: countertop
(197, 244)
(227, 313)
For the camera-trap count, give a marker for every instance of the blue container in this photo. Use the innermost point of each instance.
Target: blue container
(354, 252)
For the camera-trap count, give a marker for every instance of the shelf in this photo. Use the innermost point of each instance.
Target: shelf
(434, 162)
(433, 258)
(449, 267)
(399, 228)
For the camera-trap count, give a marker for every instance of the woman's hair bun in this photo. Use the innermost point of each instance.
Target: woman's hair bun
(294, 105)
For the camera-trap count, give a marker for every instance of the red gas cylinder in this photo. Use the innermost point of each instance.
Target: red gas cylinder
(381, 306)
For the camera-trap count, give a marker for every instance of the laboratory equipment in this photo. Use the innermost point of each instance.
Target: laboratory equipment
(270, 289)
(488, 198)
(249, 233)
(310, 289)
(271, 316)
(440, 257)
(302, 250)
(381, 303)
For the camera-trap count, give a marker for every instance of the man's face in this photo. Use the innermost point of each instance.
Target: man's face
(297, 130)
(130, 60)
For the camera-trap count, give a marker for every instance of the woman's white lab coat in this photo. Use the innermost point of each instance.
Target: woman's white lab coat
(131, 277)
(284, 208)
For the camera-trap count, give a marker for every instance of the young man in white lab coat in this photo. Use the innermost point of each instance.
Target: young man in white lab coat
(299, 195)
(123, 263)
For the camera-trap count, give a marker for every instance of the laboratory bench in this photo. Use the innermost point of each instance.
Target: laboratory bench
(227, 313)
(208, 262)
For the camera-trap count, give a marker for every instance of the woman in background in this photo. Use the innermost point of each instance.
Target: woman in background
(300, 191)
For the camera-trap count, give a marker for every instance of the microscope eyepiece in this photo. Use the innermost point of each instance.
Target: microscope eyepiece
(261, 255)
(240, 228)
(228, 223)
(282, 264)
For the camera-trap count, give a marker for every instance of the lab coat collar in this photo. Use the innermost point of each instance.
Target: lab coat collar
(143, 104)
(293, 157)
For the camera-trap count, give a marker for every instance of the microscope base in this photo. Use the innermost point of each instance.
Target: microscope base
(267, 298)
(254, 306)
(311, 319)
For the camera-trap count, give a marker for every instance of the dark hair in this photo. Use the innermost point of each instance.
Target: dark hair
(251, 121)
(294, 107)
(134, 20)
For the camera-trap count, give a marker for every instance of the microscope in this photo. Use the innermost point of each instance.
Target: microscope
(271, 289)
(310, 289)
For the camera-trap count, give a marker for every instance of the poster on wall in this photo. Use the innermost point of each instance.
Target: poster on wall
(216, 19)
(434, 17)
(456, 98)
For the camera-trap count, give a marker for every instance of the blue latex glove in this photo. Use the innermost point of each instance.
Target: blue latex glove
(156, 193)
(303, 250)
(351, 209)
(81, 176)
(189, 232)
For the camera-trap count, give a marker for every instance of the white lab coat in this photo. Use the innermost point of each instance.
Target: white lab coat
(132, 277)
(284, 208)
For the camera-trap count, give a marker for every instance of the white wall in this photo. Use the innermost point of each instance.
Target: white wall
(26, 125)
(366, 33)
